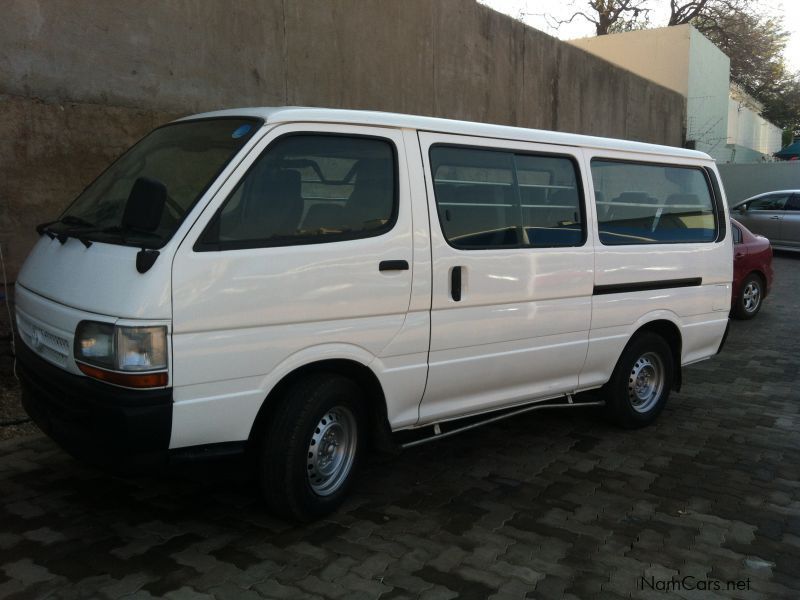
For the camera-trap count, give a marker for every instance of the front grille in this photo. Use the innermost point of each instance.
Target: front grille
(46, 344)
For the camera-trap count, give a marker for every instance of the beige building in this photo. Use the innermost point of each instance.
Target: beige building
(718, 120)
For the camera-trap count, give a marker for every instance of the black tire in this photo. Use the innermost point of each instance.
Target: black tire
(286, 461)
(640, 384)
(750, 298)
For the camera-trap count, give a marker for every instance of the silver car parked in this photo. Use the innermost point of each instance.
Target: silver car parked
(775, 215)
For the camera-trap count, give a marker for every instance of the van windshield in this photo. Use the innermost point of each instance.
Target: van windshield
(185, 158)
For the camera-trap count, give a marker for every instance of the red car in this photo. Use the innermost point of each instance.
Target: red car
(752, 271)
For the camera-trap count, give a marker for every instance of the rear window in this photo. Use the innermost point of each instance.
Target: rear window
(641, 203)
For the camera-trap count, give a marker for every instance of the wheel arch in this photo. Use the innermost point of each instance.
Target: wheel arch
(378, 424)
(671, 333)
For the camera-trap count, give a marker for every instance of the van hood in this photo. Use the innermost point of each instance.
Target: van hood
(101, 279)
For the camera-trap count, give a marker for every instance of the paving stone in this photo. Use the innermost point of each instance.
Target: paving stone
(373, 566)
(273, 589)
(127, 585)
(13, 587)
(229, 591)
(373, 588)
(448, 559)
(439, 593)
(185, 593)
(26, 571)
(26, 510)
(407, 581)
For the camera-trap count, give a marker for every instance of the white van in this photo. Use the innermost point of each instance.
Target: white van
(309, 283)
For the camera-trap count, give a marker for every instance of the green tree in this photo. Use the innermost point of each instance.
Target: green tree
(782, 107)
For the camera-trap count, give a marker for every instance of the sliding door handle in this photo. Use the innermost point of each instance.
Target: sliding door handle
(455, 284)
(393, 265)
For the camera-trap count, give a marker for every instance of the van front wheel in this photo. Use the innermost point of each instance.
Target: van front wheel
(639, 387)
(311, 447)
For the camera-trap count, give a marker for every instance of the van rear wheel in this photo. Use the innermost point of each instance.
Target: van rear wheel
(311, 447)
(639, 387)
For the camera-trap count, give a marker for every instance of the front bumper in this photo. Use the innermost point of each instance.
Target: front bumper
(94, 421)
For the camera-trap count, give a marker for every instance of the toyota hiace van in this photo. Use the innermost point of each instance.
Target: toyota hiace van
(309, 284)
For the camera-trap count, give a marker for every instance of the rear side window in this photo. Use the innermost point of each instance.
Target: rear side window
(308, 189)
(640, 203)
(495, 199)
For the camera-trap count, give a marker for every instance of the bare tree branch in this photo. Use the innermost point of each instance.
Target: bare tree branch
(684, 13)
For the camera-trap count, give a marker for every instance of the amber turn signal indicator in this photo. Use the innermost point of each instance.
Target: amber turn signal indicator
(131, 380)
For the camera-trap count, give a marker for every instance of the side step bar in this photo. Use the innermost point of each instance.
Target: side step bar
(437, 431)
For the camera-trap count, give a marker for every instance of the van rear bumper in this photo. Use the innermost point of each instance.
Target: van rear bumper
(94, 421)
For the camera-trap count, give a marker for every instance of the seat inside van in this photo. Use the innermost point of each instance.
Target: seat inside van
(476, 214)
(368, 205)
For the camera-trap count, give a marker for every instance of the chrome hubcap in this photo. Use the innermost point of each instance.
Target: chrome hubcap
(646, 382)
(331, 451)
(751, 296)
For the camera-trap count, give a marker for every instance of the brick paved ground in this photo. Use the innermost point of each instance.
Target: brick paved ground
(546, 506)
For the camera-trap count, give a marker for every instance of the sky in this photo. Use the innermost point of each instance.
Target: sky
(543, 14)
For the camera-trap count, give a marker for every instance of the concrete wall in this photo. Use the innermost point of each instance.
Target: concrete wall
(681, 59)
(80, 80)
(661, 55)
(744, 180)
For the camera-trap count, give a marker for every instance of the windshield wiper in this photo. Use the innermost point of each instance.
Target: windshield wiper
(43, 228)
(121, 231)
(78, 225)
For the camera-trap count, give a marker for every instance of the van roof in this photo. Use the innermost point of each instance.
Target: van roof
(287, 114)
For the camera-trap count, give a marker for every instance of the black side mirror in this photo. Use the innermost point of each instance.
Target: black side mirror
(145, 205)
(742, 209)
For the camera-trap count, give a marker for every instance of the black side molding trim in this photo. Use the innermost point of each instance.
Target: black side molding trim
(663, 284)
(207, 451)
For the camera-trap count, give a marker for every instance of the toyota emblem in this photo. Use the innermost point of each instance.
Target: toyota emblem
(36, 338)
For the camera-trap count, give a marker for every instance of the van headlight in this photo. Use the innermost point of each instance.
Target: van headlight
(127, 356)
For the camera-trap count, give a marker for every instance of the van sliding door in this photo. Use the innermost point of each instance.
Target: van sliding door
(512, 273)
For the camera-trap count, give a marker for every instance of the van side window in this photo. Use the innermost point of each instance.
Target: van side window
(310, 189)
(496, 199)
(640, 203)
(550, 199)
